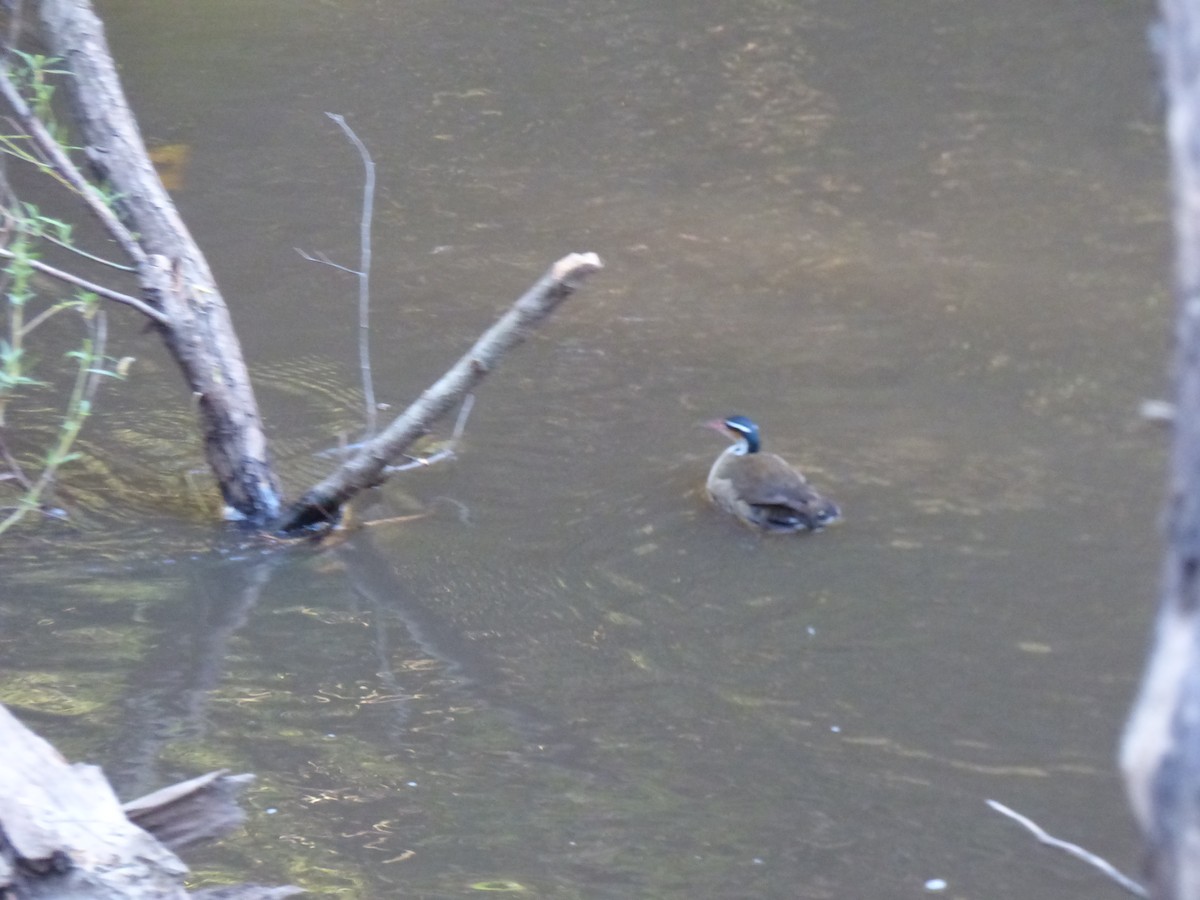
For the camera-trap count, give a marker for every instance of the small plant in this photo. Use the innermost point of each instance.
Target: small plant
(31, 77)
(16, 381)
(26, 311)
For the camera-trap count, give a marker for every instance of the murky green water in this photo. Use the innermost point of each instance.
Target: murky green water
(923, 244)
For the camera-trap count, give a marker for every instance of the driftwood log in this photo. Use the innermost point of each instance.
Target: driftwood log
(1160, 753)
(65, 836)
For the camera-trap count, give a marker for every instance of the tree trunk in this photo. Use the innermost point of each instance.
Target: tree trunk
(1160, 753)
(171, 267)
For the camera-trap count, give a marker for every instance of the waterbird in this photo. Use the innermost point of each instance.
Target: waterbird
(761, 489)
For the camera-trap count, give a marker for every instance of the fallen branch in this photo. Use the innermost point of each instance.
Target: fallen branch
(191, 812)
(321, 506)
(1073, 849)
(66, 836)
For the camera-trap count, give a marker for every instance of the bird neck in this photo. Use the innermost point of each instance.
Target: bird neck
(743, 447)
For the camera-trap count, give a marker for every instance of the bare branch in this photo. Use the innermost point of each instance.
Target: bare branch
(79, 251)
(321, 505)
(98, 289)
(364, 273)
(325, 261)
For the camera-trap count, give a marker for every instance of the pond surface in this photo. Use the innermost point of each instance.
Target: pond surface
(923, 244)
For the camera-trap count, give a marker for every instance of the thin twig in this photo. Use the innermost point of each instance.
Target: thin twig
(78, 409)
(449, 451)
(99, 329)
(45, 315)
(326, 261)
(420, 462)
(1073, 849)
(65, 168)
(460, 424)
(416, 462)
(79, 251)
(99, 289)
(14, 467)
(364, 272)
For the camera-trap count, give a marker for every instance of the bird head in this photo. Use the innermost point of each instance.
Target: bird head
(741, 430)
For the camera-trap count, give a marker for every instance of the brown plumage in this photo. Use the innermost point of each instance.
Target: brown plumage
(761, 489)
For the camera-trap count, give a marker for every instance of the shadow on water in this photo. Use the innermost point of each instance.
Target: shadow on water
(170, 691)
(921, 244)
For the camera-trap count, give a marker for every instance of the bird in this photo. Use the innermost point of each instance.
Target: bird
(761, 489)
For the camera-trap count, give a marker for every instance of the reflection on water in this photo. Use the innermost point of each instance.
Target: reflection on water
(921, 244)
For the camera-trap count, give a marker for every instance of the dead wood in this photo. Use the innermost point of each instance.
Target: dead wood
(322, 504)
(1160, 753)
(181, 296)
(64, 832)
(65, 836)
(171, 269)
(191, 812)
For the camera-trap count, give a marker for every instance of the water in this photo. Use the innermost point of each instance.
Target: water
(923, 245)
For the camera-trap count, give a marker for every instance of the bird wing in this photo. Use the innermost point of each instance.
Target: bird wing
(767, 480)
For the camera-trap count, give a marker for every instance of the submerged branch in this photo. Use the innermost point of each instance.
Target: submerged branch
(321, 506)
(1074, 850)
(449, 451)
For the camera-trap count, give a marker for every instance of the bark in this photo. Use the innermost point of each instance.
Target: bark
(64, 835)
(191, 812)
(173, 272)
(1160, 754)
(322, 504)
